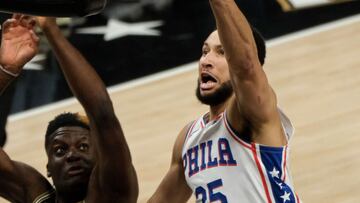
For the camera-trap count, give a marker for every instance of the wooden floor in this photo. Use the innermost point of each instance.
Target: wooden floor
(317, 80)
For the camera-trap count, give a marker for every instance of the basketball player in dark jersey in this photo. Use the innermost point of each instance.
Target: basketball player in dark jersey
(88, 157)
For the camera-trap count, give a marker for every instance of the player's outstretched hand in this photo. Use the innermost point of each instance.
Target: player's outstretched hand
(19, 43)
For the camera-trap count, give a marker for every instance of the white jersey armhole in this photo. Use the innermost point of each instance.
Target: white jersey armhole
(286, 125)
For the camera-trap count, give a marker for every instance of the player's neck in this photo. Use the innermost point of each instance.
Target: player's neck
(69, 198)
(68, 201)
(215, 111)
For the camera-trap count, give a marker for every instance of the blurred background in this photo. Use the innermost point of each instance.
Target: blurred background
(134, 38)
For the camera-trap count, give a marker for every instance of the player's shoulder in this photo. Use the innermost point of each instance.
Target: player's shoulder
(27, 169)
(187, 129)
(33, 176)
(180, 140)
(26, 181)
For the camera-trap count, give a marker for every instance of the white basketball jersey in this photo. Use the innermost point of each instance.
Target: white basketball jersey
(220, 167)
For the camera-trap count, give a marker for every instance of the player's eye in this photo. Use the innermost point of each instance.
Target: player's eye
(221, 51)
(84, 147)
(59, 150)
(205, 51)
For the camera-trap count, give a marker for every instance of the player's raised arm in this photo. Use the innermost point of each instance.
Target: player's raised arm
(19, 45)
(113, 178)
(18, 182)
(254, 97)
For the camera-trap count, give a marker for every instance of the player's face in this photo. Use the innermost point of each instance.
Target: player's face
(214, 85)
(70, 158)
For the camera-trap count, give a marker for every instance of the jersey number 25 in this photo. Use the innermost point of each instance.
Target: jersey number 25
(201, 192)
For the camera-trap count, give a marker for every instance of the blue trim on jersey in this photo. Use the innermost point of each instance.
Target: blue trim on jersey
(272, 158)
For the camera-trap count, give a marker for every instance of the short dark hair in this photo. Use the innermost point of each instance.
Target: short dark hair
(66, 119)
(260, 44)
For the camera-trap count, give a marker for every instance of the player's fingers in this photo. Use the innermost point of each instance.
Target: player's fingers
(34, 37)
(25, 17)
(16, 16)
(32, 23)
(9, 23)
(27, 21)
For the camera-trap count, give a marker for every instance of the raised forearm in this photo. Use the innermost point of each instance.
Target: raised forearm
(235, 34)
(80, 75)
(114, 169)
(254, 95)
(5, 80)
(19, 45)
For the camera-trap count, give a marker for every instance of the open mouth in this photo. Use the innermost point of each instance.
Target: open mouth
(75, 170)
(207, 81)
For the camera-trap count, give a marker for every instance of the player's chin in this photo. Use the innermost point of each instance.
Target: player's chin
(78, 181)
(79, 177)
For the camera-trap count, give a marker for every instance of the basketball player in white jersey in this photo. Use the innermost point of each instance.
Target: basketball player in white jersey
(88, 159)
(238, 152)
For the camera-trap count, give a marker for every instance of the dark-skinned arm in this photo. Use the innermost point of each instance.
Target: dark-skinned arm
(5, 80)
(18, 181)
(254, 101)
(19, 45)
(114, 173)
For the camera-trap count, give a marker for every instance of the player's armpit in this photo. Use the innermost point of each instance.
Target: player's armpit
(268, 131)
